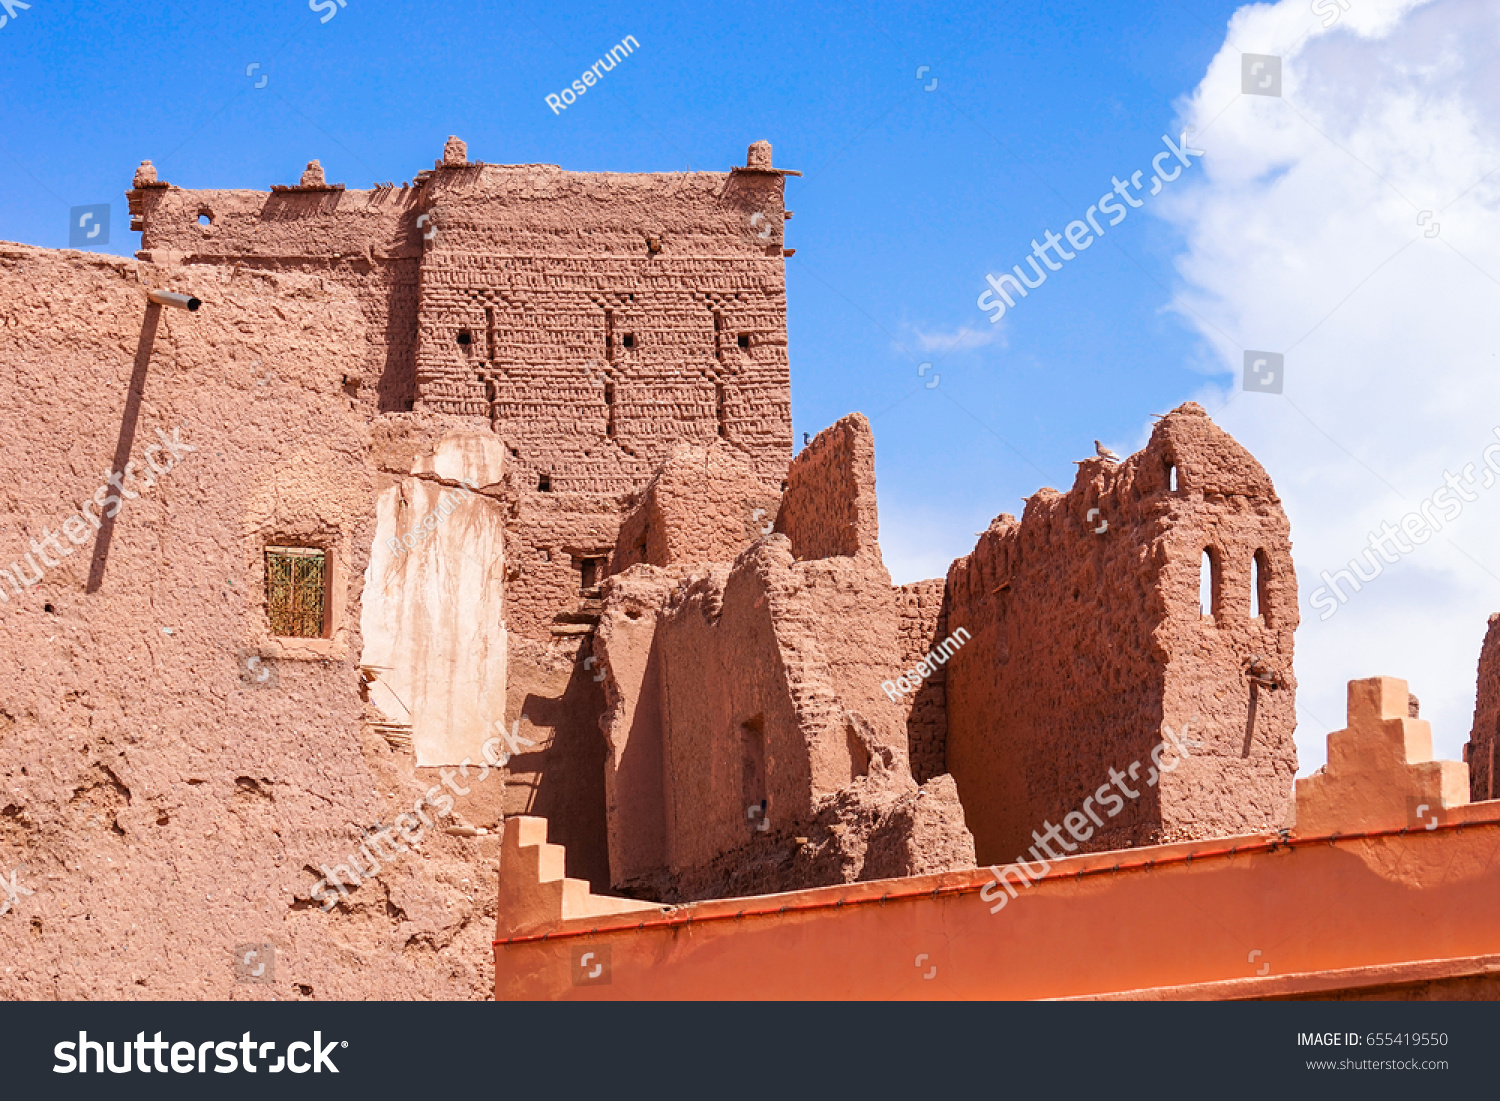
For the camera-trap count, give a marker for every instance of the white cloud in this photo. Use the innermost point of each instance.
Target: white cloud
(962, 339)
(1306, 234)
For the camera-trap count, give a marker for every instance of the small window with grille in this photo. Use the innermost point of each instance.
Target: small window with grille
(296, 591)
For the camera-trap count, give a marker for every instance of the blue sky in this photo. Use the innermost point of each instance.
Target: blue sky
(910, 196)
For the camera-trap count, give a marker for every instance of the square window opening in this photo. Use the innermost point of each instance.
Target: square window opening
(297, 591)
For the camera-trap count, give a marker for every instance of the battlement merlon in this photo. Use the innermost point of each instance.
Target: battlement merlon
(511, 210)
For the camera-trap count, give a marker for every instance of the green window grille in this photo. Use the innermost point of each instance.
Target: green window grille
(296, 591)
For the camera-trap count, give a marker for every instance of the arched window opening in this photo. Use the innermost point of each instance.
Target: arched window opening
(1260, 587)
(1208, 583)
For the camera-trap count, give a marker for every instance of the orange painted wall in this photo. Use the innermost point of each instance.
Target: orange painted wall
(1309, 905)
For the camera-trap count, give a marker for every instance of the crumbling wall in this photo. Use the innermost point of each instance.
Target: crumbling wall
(924, 624)
(629, 665)
(174, 778)
(704, 504)
(549, 539)
(829, 507)
(747, 691)
(757, 686)
(1087, 646)
(1479, 753)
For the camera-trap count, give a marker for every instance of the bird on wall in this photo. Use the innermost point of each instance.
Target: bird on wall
(1105, 453)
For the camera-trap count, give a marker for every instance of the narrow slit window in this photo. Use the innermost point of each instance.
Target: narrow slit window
(1172, 477)
(544, 483)
(1208, 583)
(1260, 587)
(753, 763)
(296, 591)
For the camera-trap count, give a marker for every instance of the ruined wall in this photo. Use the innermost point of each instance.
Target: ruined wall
(829, 506)
(748, 754)
(549, 538)
(1087, 641)
(753, 691)
(921, 606)
(704, 504)
(1479, 753)
(165, 798)
(634, 721)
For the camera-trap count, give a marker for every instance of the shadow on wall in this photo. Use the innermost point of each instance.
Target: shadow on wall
(126, 439)
(567, 774)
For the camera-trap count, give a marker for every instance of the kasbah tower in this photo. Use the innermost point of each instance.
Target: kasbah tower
(488, 548)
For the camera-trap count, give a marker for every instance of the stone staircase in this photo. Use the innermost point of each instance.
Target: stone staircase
(535, 892)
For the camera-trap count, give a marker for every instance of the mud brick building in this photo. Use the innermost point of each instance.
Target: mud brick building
(494, 470)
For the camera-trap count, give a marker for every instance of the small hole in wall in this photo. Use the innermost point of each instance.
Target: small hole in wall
(744, 340)
(544, 483)
(48, 608)
(628, 340)
(1172, 478)
(205, 218)
(515, 453)
(465, 337)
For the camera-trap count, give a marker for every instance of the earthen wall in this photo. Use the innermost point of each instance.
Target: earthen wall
(1088, 643)
(164, 798)
(923, 625)
(704, 504)
(829, 505)
(367, 241)
(1480, 751)
(607, 317)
